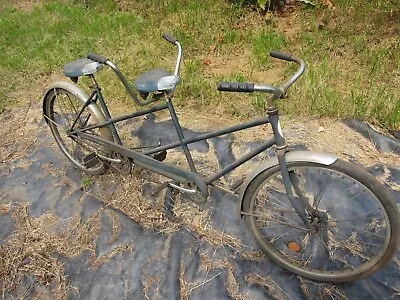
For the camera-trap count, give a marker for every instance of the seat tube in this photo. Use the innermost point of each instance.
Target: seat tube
(181, 137)
(106, 112)
(108, 116)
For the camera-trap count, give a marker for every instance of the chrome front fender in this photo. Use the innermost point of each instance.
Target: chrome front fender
(292, 156)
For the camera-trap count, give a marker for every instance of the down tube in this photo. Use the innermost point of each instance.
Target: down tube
(240, 161)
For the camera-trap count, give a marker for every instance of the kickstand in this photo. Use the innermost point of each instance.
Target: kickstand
(169, 203)
(169, 199)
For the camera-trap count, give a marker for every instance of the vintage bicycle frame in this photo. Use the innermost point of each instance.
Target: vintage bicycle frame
(142, 158)
(178, 174)
(191, 177)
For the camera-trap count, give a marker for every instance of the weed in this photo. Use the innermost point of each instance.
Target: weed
(87, 181)
(264, 42)
(259, 102)
(238, 77)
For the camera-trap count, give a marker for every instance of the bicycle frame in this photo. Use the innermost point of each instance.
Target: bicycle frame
(191, 177)
(143, 159)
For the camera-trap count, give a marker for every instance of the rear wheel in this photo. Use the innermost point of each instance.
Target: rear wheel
(355, 221)
(62, 107)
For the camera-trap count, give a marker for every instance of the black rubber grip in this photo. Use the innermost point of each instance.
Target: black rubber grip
(280, 55)
(169, 38)
(235, 87)
(98, 58)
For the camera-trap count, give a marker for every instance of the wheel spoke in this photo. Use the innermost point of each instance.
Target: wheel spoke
(72, 104)
(336, 207)
(320, 193)
(276, 221)
(357, 217)
(275, 214)
(359, 229)
(63, 110)
(282, 205)
(350, 244)
(281, 236)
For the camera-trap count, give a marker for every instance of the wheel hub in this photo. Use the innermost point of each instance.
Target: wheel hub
(318, 219)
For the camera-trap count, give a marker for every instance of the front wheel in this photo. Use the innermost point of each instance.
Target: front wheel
(355, 222)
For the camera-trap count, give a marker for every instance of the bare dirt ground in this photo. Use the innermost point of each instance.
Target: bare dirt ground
(26, 5)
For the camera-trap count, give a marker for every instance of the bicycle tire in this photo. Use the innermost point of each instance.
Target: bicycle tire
(341, 193)
(61, 106)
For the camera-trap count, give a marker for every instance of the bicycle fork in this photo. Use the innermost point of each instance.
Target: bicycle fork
(300, 204)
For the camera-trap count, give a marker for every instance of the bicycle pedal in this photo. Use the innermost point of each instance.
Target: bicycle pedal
(90, 160)
(160, 156)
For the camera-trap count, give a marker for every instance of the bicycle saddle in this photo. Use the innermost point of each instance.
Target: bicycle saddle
(156, 80)
(83, 66)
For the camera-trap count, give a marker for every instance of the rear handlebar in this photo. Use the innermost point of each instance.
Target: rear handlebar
(174, 40)
(103, 60)
(97, 58)
(169, 38)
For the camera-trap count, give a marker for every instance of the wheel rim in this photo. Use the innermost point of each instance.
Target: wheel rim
(353, 234)
(64, 108)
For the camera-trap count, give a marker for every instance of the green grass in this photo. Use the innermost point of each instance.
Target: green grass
(262, 42)
(353, 62)
(352, 52)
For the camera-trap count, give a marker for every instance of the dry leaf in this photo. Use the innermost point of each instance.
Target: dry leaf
(329, 4)
(213, 47)
(206, 61)
(268, 17)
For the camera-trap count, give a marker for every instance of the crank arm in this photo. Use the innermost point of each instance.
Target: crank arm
(182, 189)
(112, 160)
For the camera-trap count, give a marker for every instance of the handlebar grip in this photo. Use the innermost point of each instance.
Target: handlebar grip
(169, 38)
(235, 87)
(280, 55)
(97, 58)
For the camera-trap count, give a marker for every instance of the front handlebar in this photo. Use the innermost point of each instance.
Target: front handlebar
(276, 91)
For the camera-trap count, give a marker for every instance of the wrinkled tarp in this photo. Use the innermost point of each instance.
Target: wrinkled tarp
(382, 143)
(160, 263)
